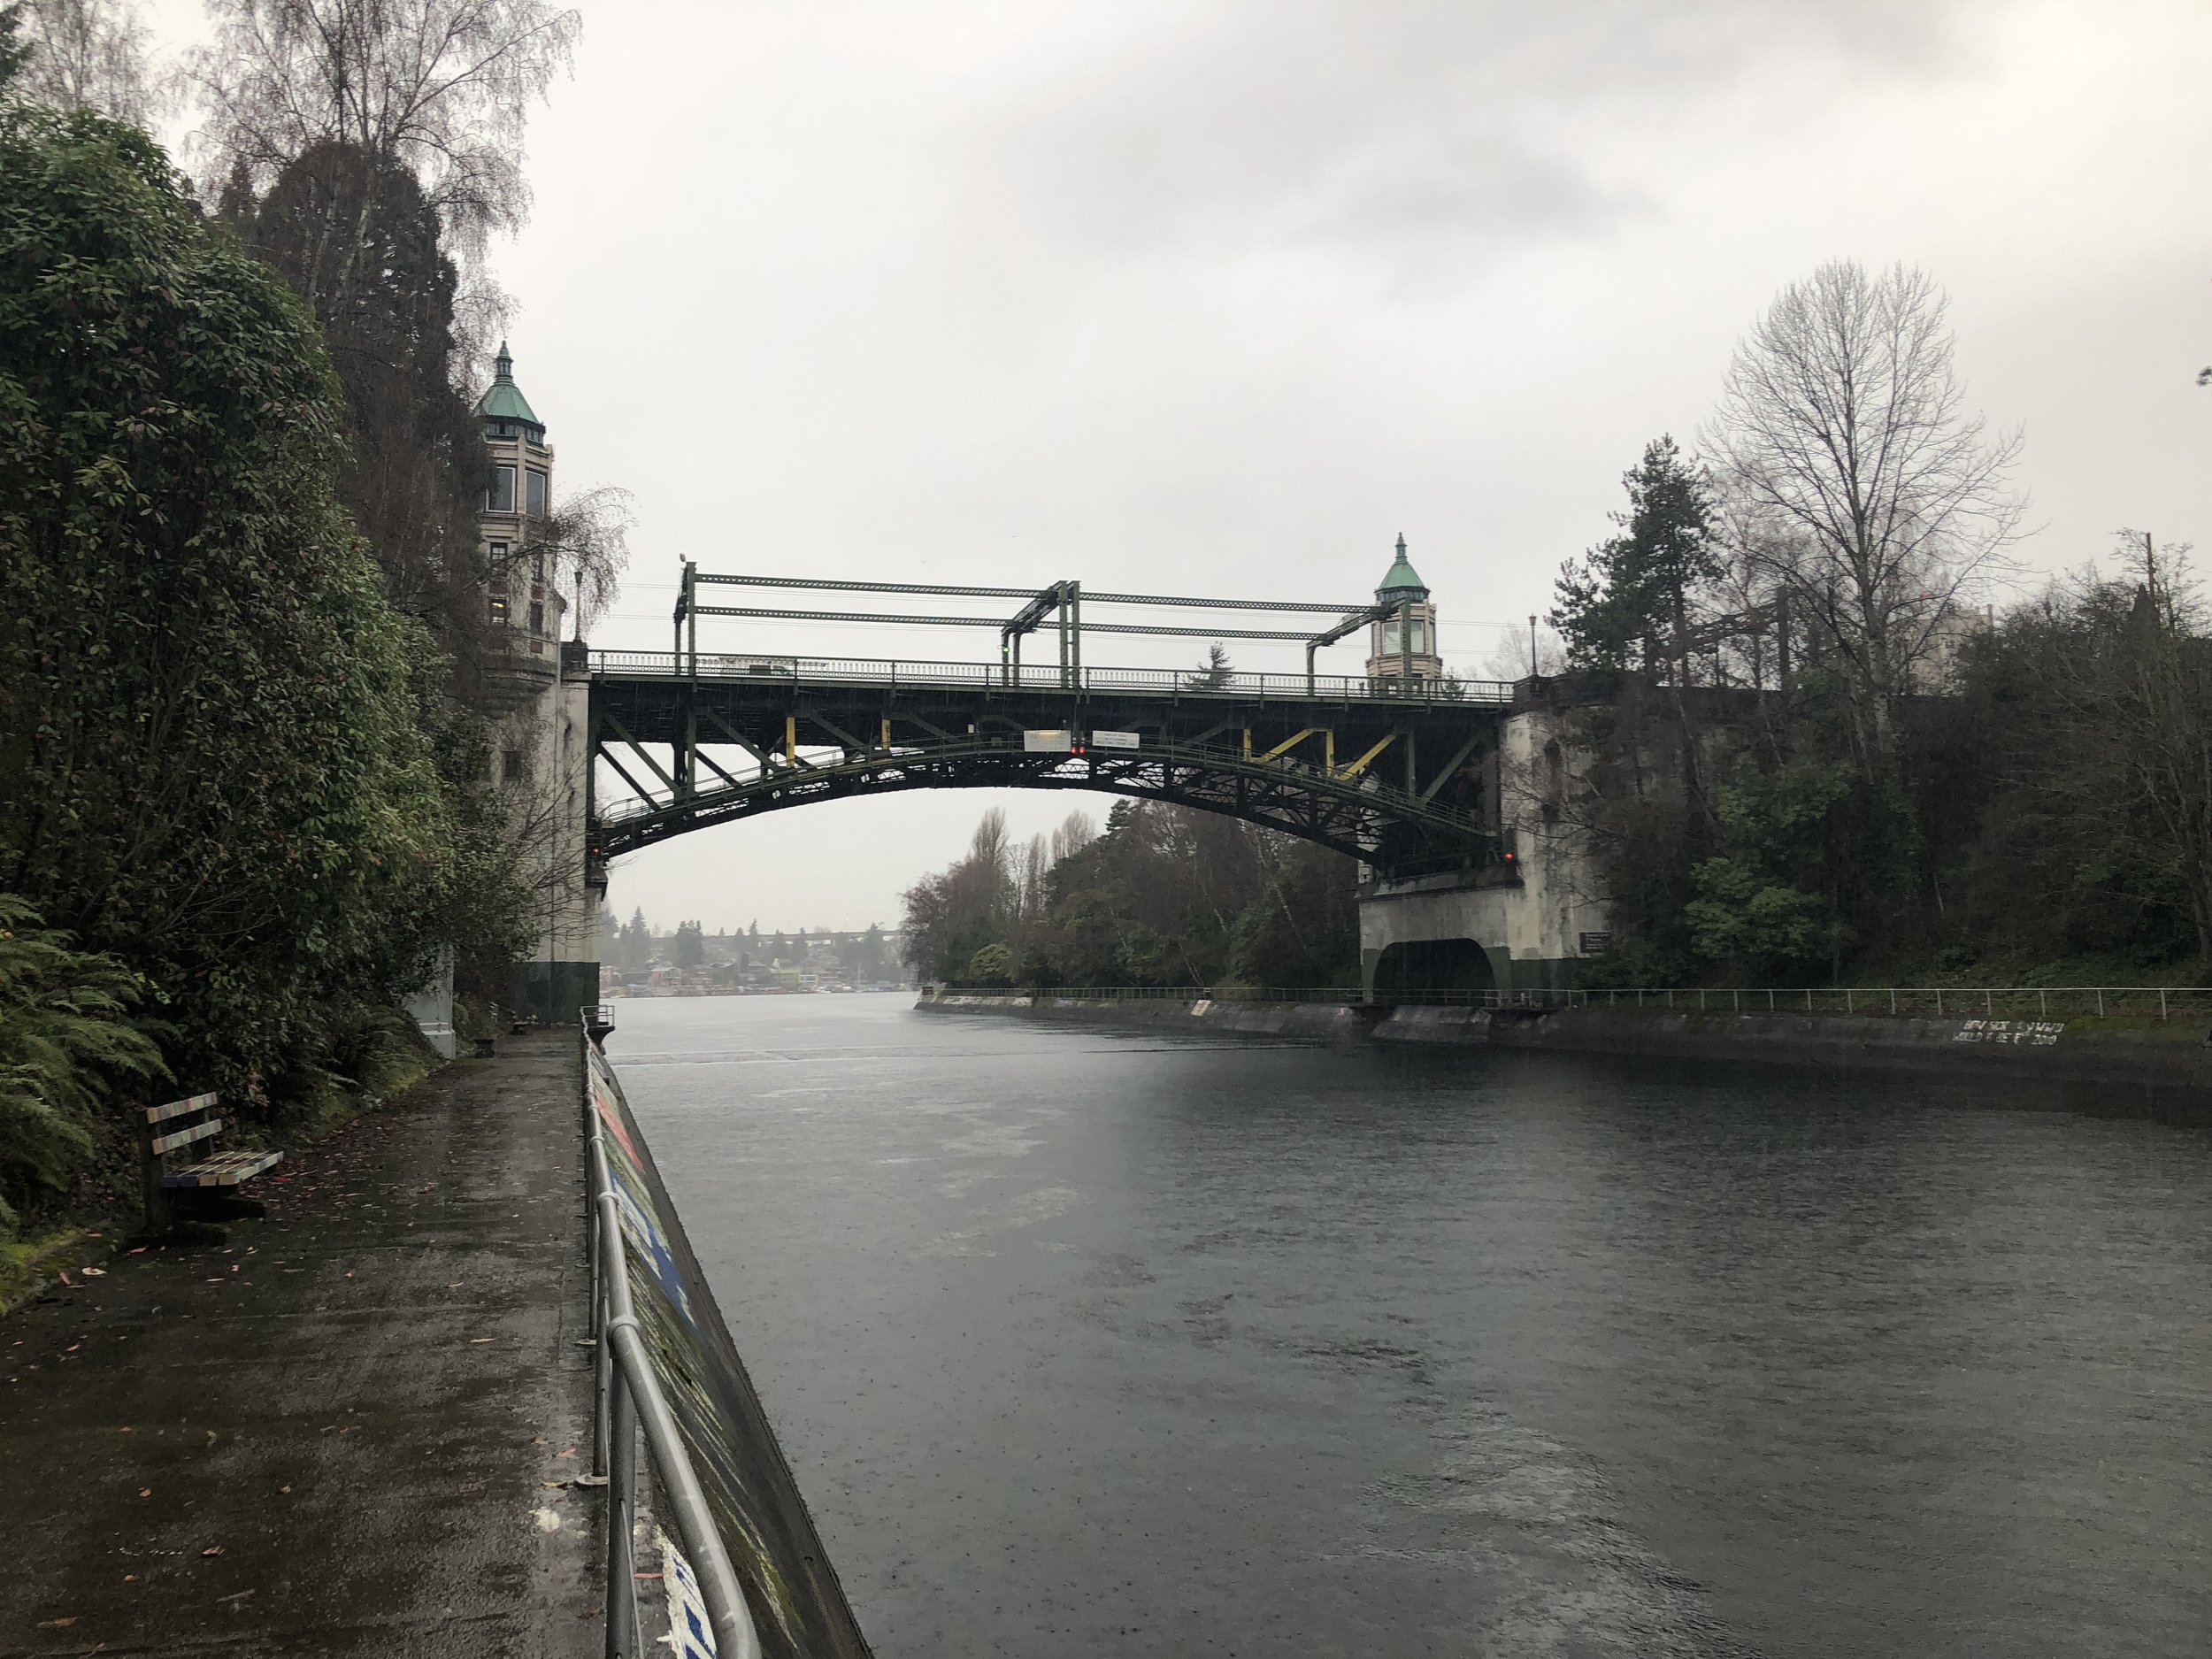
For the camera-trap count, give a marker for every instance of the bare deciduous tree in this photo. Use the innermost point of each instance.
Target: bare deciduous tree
(90, 55)
(1875, 498)
(443, 87)
(585, 540)
(1076, 832)
(1513, 659)
(1029, 879)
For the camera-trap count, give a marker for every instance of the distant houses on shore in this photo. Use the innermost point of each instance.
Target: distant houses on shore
(638, 964)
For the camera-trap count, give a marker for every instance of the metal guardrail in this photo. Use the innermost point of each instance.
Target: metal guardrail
(778, 670)
(1940, 1001)
(628, 1398)
(2016, 1001)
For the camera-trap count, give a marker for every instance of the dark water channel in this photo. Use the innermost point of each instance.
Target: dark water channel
(1092, 1343)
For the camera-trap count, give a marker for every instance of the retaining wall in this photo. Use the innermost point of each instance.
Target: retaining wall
(2172, 1053)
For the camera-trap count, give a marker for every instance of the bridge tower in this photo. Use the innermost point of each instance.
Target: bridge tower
(540, 702)
(1402, 649)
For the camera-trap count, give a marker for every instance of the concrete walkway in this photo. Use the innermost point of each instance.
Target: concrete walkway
(346, 1430)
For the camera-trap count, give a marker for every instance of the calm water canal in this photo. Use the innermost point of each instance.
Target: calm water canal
(1093, 1343)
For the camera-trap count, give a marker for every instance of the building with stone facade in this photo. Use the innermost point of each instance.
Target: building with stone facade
(540, 701)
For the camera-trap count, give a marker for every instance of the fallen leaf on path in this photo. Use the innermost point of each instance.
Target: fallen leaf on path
(213, 1549)
(57, 1624)
(145, 1492)
(94, 1272)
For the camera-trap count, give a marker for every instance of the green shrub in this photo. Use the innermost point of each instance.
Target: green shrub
(66, 1043)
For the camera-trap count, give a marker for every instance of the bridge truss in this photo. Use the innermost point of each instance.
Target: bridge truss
(1400, 774)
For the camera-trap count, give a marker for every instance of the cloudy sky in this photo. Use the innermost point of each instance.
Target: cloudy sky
(1220, 296)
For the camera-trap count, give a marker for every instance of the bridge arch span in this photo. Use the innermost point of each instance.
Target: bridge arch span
(1362, 824)
(1405, 784)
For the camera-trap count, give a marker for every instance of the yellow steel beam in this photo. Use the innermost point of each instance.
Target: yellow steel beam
(791, 739)
(1283, 747)
(886, 733)
(1360, 765)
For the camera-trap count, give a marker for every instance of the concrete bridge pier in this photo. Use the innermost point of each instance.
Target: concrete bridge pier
(1521, 925)
(561, 975)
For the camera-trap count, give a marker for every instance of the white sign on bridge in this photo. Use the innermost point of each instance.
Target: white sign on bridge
(1048, 742)
(1114, 740)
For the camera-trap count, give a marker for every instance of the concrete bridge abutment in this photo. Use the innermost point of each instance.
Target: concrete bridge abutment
(551, 799)
(1522, 923)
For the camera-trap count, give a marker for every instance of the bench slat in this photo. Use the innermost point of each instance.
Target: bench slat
(178, 1108)
(186, 1136)
(225, 1168)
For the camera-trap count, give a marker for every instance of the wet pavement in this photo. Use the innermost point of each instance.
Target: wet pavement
(349, 1428)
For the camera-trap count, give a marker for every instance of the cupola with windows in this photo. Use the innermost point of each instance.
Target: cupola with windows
(1403, 649)
(505, 411)
(517, 562)
(521, 481)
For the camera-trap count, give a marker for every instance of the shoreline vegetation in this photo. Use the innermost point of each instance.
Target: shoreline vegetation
(1163, 895)
(248, 671)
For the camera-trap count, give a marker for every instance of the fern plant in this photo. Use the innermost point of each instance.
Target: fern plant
(66, 1043)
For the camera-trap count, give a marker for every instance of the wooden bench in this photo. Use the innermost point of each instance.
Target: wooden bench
(191, 1121)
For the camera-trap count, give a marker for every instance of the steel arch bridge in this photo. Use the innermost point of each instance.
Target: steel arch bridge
(1408, 785)
(1400, 772)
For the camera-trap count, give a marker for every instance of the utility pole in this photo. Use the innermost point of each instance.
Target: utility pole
(1532, 646)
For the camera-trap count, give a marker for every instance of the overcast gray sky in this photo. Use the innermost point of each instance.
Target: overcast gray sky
(1220, 298)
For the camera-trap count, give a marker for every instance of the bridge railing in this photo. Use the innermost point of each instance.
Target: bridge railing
(768, 668)
(2028, 1003)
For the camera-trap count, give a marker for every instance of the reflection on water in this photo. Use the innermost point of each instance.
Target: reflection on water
(1083, 1343)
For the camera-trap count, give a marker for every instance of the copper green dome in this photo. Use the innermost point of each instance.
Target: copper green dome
(1404, 581)
(503, 400)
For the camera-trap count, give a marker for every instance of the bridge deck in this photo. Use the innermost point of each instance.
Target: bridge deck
(771, 669)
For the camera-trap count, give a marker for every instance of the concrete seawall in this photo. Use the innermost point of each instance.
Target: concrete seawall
(2168, 1052)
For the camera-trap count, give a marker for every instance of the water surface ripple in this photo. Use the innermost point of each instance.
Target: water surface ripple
(1087, 1343)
